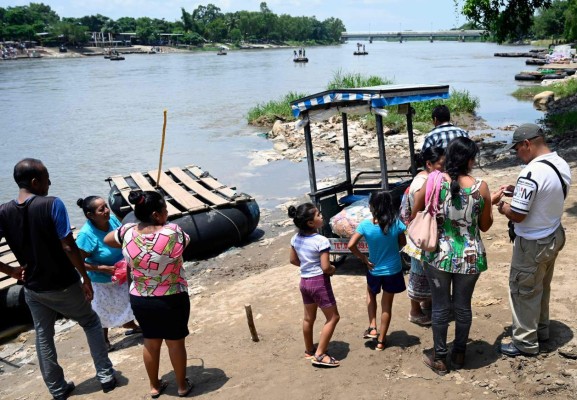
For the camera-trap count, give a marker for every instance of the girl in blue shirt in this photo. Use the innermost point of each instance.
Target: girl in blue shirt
(384, 234)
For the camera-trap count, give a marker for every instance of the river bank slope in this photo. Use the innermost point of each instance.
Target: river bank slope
(225, 364)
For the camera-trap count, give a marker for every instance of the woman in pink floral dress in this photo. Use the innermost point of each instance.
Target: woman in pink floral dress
(158, 292)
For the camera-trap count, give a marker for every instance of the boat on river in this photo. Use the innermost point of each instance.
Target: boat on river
(361, 53)
(301, 59)
(215, 216)
(221, 52)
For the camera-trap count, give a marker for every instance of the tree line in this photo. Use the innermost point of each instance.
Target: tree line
(513, 20)
(203, 24)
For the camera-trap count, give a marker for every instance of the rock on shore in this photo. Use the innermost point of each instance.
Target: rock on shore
(328, 143)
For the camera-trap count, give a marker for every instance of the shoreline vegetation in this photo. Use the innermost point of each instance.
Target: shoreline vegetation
(38, 23)
(460, 102)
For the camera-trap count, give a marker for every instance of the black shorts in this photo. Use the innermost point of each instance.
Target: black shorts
(162, 317)
(389, 283)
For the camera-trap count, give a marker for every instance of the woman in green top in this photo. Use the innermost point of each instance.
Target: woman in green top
(464, 211)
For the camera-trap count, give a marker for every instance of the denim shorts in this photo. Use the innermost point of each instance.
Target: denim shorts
(318, 290)
(389, 283)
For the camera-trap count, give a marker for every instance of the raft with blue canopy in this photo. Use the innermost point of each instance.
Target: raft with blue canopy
(360, 101)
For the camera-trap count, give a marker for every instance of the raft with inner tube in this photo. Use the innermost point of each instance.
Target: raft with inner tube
(215, 216)
(301, 60)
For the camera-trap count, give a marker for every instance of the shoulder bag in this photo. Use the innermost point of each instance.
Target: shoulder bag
(423, 229)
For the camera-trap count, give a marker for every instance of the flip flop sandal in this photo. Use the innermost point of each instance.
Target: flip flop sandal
(368, 335)
(379, 343)
(309, 355)
(189, 387)
(318, 361)
(161, 388)
(132, 332)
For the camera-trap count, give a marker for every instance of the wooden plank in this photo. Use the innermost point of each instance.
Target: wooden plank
(179, 194)
(122, 187)
(211, 182)
(197, 187)
(143, 183)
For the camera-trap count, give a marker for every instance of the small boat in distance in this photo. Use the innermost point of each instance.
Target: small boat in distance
(116, 58)
(361, 50)
(221, 52)
(301, 60)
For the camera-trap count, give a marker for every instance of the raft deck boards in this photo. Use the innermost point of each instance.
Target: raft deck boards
(8, 258)
(197, 187)
(141, 181)
(178, 193)
(211, 182)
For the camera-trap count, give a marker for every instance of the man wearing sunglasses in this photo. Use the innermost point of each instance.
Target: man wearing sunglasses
(536, 208)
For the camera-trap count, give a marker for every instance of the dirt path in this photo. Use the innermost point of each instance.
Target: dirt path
(225, 364)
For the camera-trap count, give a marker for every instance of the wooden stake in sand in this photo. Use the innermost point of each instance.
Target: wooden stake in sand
(161, 150)
(250, 320)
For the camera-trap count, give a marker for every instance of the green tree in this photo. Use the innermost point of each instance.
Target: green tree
(126, 24)
(94, 23)
(549, 21)
(146, 30)
(570, 29)
(504, 19)
(71, 32)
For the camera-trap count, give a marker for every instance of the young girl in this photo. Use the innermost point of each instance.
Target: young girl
(310, 252)
(384, 234)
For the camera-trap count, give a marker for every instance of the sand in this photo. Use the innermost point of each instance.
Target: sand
(224, 363)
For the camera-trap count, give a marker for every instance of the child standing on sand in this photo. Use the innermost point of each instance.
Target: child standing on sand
(384, 234)
(310, 251)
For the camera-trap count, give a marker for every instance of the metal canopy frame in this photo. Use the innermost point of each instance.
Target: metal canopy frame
(374, 97)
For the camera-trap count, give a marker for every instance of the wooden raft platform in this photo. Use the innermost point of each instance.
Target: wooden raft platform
(186, 190)
(8, 258)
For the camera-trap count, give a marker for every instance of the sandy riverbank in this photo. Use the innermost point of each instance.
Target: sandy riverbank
(225, 364)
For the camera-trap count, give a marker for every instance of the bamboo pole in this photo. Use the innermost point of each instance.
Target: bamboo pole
(161, 150)
(251, 327)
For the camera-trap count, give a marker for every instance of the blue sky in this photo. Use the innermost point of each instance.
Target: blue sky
(357, 15)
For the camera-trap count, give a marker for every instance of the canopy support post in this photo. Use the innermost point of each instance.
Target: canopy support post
(347, 153)
(310, 159)
(411, 139)
(382, 153)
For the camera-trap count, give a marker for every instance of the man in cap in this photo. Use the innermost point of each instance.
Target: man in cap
(444, 131)
(536, 209)
(37, 229)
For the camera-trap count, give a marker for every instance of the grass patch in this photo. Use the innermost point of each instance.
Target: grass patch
(267, 113)
(342, 80)
(561, 89)
(460, 101)
(561, 124)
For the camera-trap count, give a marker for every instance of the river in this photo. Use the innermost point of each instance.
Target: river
(90, 118)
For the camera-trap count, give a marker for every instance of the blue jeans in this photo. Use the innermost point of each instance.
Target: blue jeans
(463, 287)
(71, 303)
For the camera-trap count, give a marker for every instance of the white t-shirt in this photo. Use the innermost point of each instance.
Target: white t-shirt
(539, 195)
(309, 249)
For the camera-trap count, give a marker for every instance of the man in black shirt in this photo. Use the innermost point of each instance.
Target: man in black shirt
(37, 229)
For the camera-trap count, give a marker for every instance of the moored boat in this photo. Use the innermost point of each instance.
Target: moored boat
(214, 215)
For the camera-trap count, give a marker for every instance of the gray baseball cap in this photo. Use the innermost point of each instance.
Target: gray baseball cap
(525, 132)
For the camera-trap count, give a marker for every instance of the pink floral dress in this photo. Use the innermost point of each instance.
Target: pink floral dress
(155, 259)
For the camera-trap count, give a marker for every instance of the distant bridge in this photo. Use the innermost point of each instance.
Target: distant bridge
(459, 35)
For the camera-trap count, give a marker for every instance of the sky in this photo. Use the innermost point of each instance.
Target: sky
(357, 15)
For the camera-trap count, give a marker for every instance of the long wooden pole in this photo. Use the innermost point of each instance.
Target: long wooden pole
(161, 150)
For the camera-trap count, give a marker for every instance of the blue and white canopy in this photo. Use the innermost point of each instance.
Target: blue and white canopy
(371, 97)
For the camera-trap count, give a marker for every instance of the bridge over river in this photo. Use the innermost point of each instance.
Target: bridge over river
(460, 35)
